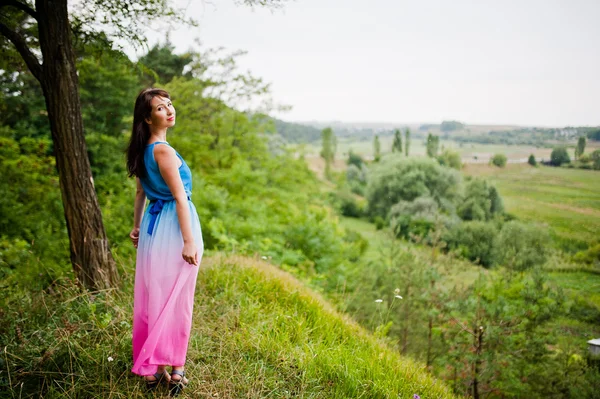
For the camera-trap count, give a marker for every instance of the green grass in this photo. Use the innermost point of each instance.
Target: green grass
(583, 292)
(568, 200)
(258, 333)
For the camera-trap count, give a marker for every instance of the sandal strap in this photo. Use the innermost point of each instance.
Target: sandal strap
(178, 372)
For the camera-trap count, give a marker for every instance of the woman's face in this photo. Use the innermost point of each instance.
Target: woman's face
(162, 114)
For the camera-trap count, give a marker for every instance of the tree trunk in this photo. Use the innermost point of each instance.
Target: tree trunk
(404, 347)
(478, 341)
(92, 260)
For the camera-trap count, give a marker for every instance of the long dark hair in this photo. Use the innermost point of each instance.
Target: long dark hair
(140, 133)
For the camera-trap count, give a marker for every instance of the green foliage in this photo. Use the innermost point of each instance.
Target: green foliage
(530, 329)
(327, 151)
(354, 159)
(357, 178)
(376, 149)
(450, 159)
(404, 179)
(432, 145)
(122, 19)
(22, 104)
(497, 332)
(348, 205)
(396, 294)
(594, 134)
(481, 201)
(521, 246)
(164, 63)
(297, 133)
(208, 134)
(397, 143)
(415, 219)
(590, 256)
(449, 126)
(595, 157)
(473, 240)
(531, 160)
(559, 156)
(580, 148)
(406, 141)
(379, 222)
(108, 82)
(499, 160)
(31, 214)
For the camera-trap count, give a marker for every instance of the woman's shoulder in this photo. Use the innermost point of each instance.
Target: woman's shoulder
(164, 153)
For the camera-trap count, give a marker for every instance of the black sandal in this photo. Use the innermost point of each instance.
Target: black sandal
(151, 385)
(176, 386)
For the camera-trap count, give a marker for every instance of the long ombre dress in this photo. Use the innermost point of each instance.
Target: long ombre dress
(164, 281)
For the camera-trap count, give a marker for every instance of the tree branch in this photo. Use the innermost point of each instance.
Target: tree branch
(20, 6)
(32, 62)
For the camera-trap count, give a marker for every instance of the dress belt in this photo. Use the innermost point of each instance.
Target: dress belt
(155, 207)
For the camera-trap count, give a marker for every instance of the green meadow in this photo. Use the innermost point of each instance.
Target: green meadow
(567, 200)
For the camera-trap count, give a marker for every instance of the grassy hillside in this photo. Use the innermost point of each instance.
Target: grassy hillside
(258, 333)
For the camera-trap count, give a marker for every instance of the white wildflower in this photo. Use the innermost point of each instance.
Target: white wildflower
(110, 359)
(399, 296)
(378, 300)
(264, 258)
(397, 291)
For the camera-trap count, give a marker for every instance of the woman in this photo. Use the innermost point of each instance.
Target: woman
(169, 245)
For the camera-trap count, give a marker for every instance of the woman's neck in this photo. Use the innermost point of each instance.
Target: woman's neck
(158, 135)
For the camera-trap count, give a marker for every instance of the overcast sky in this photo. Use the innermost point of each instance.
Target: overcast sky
(520, 62)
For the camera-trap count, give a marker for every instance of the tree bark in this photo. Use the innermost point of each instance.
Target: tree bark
(91, 257)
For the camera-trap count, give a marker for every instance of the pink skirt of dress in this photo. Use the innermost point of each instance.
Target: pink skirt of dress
(164, 292)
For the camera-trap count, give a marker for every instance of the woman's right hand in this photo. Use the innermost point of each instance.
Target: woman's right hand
(135, 236)
(190, 253)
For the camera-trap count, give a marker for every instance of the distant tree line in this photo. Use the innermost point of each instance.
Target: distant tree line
(296, 132)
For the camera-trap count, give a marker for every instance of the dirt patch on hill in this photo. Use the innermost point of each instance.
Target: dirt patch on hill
(583, 211)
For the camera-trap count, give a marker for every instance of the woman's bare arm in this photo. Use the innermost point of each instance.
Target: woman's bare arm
(168, 164)
(139, 205)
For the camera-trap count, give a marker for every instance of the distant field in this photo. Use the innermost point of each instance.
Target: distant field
(468, 151)
(566, 199)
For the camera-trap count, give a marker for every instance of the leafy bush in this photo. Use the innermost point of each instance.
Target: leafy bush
(357, 178)
(415, 218)
(348, 204)
(559, 156)
(379, 222)
(521, 246)
(355, 159)
(499, 160)
(481, 201)
(595, 157)
(404, 179)
(531, 161)
(590, 256)
(31, 214)
(473, 240)
(450, 159)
